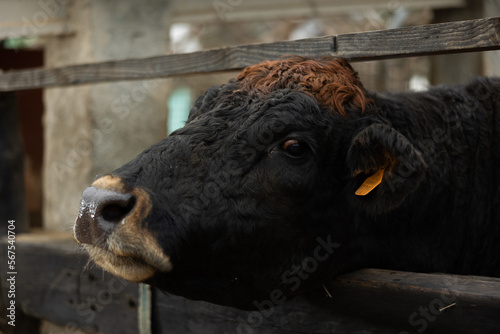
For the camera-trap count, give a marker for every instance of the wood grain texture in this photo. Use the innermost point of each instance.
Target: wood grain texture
(418, 302)
(55, 283)
(464, 36)
(451, 37)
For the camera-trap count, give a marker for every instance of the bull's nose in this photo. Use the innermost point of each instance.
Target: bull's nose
(100, 211)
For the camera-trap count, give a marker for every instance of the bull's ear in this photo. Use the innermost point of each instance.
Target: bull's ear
(204, 102)
(385, 167)
(213, 96)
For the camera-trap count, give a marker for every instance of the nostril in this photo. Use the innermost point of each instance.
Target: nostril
(101, 210)
(116, 210)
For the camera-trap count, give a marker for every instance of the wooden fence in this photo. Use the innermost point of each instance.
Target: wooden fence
(453, 37)
(56, 283)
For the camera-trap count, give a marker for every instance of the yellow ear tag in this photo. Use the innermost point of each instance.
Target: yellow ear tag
(370, 183)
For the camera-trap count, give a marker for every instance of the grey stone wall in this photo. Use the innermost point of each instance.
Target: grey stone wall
(93, 129)
(492, 58)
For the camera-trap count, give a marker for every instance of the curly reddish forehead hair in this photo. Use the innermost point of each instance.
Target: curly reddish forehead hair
(331, 81)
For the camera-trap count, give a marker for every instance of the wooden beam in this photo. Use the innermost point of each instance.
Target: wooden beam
(465, 36)
(432, 39)
(54, 282)
(417, 301)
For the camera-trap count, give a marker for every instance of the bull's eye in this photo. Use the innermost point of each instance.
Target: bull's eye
(294, 147)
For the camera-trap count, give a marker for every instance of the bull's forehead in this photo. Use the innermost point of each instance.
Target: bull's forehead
(239, 117)
(229, 138)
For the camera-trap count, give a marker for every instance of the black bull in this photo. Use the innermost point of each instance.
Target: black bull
(270, 189)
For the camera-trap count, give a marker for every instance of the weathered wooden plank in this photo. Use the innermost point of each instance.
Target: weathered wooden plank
(161, 66)
(54, 283)
(450, 37)
(416, 302)
(465, 36)
(302, 314)
(371, 301)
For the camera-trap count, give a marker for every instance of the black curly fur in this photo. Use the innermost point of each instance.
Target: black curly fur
(238, 214)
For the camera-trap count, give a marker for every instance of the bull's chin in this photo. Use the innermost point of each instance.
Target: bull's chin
(127, 267)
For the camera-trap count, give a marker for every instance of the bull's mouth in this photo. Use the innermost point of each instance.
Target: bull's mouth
(109, 227)
(127, 267)
(137, 266)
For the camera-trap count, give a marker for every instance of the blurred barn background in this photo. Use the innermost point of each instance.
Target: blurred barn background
(73, 134)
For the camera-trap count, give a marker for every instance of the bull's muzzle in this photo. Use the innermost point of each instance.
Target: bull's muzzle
(110, 225)
(100, 211)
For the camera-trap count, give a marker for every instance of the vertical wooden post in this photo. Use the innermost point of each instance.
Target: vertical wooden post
(13, 207)
(144, 311)
(11, 166)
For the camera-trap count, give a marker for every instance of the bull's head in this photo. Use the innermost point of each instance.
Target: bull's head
(255, 194)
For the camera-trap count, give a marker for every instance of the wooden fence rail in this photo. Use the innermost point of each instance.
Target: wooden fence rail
(452, 37)
(74, 295)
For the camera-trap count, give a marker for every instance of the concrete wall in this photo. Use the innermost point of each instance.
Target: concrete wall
(93, 129)
(492, 58)
(462, 67)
